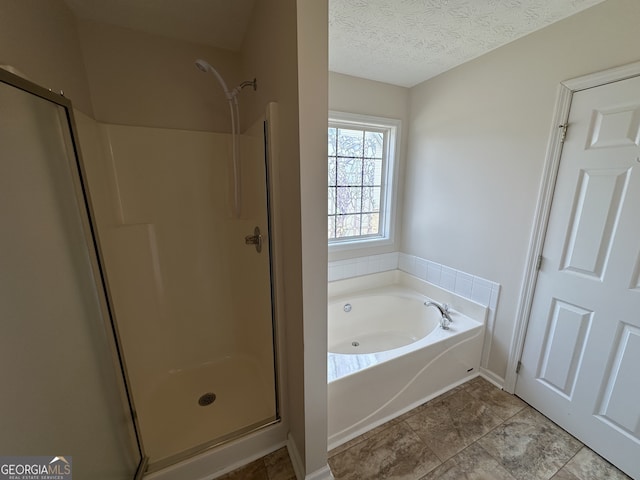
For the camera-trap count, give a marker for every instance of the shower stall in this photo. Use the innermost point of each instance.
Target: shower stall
(192, 299)
(183, 215)
(181, 235)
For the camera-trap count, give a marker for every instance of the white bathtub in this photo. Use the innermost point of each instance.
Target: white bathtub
(378, 322)
(388, 354)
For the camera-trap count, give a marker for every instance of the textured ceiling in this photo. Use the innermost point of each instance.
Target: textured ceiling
(404, 42)
(219, 23)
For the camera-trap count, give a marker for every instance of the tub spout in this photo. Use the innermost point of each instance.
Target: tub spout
(445, 317)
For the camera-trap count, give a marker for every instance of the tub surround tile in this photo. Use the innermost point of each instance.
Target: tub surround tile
(335, 272)
(449, 425)
(374, 264)
(362, 266)
(481, 291)
(389, 261)
(421, 268)
(349, 270)
(394, 453)
(464, 284)
(474, 288)
(472, 463)
(434, 270)
(448, 279)
(495, 294)
(356, 267)
(530, 446)
(588, 465)
(406, 263)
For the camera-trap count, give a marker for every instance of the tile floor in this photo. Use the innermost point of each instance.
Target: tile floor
(474, 431)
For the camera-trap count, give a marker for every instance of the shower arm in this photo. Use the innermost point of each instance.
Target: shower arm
(235, 125)
(247, 83)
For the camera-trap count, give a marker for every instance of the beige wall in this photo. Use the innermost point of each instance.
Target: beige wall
(139, 78)
(313, 66)
(290, 64)
(477, 142)
(291, 67)
(366, 97)
(40, 39)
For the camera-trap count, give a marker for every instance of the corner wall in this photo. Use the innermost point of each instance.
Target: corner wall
(286, 49)
(313, 67)
(143, 79)
(477, 142)
(269, 53)
(41, 40)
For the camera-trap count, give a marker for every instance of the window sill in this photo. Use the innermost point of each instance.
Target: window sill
(349, 245)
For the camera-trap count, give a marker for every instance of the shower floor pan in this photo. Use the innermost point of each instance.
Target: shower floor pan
(201, 406)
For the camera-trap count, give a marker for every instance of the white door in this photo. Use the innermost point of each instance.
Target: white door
(581, 359)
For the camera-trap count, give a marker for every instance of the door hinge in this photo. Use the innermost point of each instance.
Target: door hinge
(539, 263)
(518, 367)
(563, 134)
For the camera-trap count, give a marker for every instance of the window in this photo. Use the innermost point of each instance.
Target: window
(361, 161)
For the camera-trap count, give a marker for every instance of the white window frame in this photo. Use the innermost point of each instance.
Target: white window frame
(389, 179)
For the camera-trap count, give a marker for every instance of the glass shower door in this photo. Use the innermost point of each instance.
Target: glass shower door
(62, 389)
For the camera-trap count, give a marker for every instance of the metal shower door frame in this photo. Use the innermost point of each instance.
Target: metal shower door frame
(78, 176)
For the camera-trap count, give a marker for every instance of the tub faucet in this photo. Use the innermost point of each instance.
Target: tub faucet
(445, 317)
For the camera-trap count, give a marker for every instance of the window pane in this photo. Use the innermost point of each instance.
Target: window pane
(332, 141)
(332, 201)
(332, 171)
(373, 144)
(332, 226)
(349, 171)
(372, 172)
(371, 199)
(357, 169)
(370, 224)
(350, 143)
(348, 200)
(347, 226)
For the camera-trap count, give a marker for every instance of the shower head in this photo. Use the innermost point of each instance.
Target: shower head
(204, 66)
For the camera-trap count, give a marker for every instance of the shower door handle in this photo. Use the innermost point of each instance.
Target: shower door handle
(255, 239)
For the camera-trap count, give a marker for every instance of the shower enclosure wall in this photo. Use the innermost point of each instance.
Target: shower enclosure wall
(192, 300)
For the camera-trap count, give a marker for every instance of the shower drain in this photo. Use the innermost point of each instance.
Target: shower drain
(207, 399)
(355, 344)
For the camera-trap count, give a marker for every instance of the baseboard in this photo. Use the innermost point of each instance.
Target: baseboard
(323, 473)
(492, 377)
(226, 458)
(294, 455)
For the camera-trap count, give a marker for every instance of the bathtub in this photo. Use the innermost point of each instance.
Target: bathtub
(387, 353)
